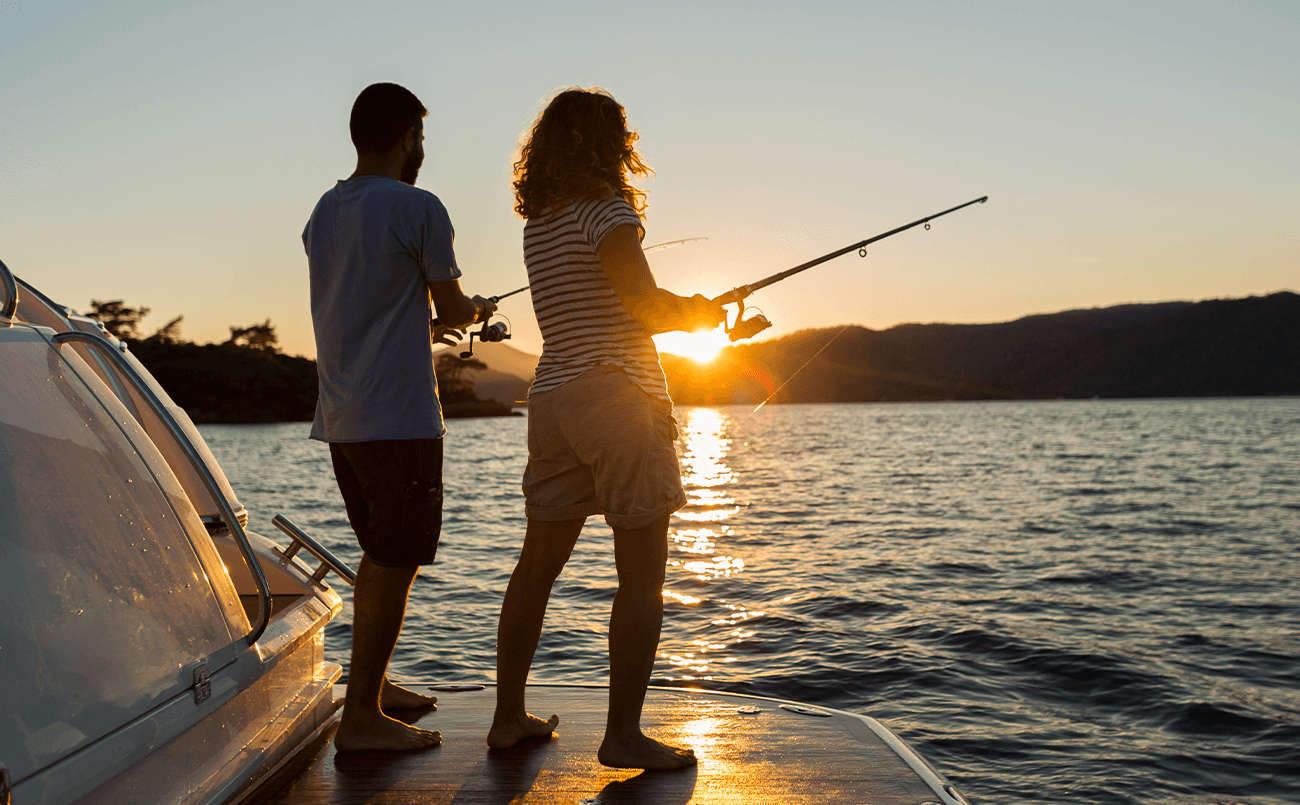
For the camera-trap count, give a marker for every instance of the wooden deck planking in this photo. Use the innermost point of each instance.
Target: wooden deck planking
(774, 756)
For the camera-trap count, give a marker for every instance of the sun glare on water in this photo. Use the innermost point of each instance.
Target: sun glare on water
(701, 347)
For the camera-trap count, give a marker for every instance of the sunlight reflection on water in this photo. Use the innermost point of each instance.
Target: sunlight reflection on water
(705, 474)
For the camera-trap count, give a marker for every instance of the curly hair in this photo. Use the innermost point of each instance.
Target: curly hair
(579, 148)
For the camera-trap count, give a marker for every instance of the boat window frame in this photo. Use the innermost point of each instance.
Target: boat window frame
(232, 521)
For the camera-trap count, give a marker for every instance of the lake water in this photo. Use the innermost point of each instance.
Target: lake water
(1065, 602)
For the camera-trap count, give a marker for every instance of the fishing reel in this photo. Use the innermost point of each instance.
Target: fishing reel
(746, 327)
(490, 333)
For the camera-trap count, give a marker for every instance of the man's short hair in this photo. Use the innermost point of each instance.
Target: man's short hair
(381, 116)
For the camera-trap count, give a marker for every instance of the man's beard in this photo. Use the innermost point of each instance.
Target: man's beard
(411, 168)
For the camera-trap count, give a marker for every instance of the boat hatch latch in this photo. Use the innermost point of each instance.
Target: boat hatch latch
(5, 788)
(202, 683)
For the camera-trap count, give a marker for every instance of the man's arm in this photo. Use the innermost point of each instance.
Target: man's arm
(454, 308)
(660, 311)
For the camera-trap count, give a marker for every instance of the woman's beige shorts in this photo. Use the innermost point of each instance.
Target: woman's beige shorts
(600, 445)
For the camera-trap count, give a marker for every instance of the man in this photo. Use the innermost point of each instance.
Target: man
(378, 250)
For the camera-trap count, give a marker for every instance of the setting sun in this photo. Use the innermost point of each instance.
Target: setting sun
(702, 347)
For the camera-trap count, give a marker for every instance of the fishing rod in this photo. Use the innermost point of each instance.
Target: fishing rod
(669, 244)
(489, 333)
(747, 328)
(494, 333)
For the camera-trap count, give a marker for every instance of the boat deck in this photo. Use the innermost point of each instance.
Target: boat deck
(751, 750)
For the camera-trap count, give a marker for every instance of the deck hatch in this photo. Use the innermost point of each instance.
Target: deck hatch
(805, 711)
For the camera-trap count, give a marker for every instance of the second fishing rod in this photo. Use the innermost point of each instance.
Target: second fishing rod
(747, 328)
(495, 332)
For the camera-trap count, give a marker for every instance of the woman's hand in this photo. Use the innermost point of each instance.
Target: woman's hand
(700, 313)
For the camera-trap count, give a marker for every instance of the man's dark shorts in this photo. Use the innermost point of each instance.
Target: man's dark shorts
(393, 493)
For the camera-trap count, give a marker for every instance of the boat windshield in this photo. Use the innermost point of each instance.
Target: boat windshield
(106, 602)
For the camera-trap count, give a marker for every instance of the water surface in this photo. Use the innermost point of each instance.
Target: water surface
(1082, 602)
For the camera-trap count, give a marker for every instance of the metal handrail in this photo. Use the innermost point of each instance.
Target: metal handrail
(328, 561)
(236, 528)
(11, 287)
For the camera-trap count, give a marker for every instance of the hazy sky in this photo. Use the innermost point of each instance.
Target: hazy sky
(169, 153)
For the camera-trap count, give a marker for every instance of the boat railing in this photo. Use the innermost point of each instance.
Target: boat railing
(328, 561)
(205, 474)
(11, 292)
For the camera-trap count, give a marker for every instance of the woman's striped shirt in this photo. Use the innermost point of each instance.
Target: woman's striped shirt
(583, 321)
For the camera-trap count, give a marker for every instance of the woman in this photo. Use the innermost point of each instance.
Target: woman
(600, 426)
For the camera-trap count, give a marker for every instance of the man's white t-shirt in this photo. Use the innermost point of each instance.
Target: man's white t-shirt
(373, 243)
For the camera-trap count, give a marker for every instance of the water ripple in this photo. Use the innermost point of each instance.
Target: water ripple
(1064, 602)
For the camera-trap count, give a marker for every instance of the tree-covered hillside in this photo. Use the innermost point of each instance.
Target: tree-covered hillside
(1213, 348)
(248, 379)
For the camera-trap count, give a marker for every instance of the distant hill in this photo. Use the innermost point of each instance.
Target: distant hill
(1213, 348)
(227, 383)
(224, 383)
(509, 372)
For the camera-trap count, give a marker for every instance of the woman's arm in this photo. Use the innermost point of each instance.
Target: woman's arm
(660, 311)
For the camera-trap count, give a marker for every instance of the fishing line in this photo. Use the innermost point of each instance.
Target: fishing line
(747, 328)
(840, 332)
(800, 369)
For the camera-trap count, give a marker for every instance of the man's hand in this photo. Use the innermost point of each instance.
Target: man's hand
(485, 308)
(450, 336)
(455, 309)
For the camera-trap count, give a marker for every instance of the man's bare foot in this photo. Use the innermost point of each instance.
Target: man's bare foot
(396, 697)
(642, 752)
(507, 732)
(361, 733)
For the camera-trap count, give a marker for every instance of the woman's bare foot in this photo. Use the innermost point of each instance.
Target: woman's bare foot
(507, 732)
(396, 697)
(642, 752)
(363, 733)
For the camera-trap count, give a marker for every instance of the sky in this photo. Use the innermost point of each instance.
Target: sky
(169, 153)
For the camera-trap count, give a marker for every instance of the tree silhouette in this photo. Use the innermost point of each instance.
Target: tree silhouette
(120, 320)
(169, 333)
(452, 386)
(259, 337)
